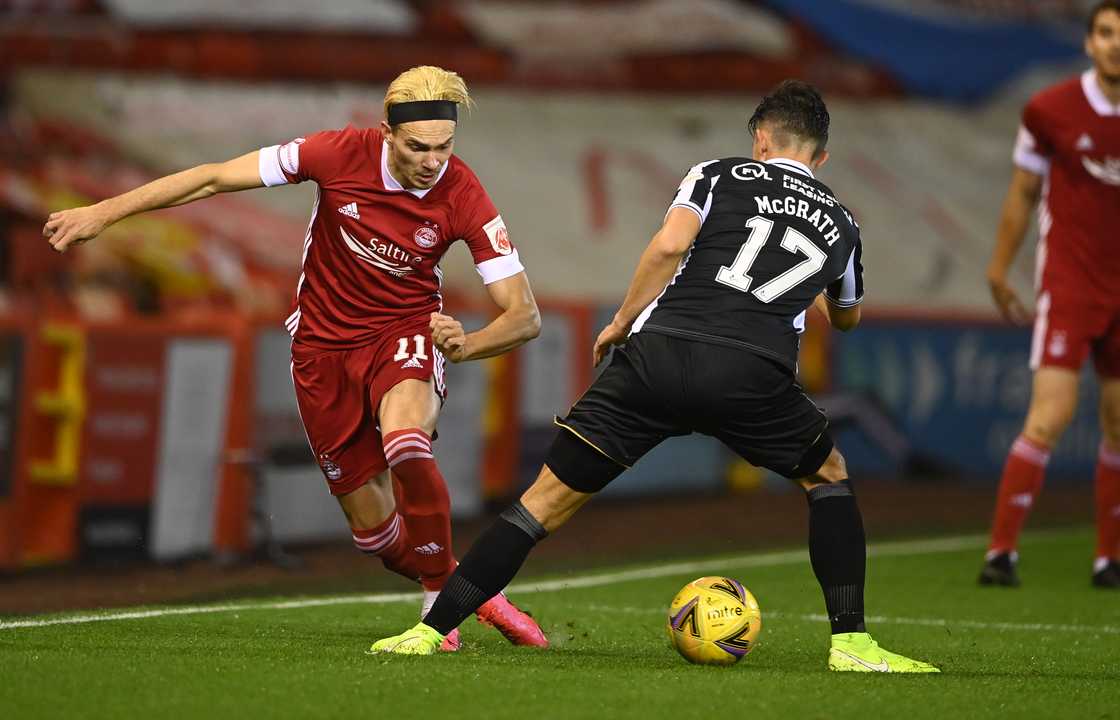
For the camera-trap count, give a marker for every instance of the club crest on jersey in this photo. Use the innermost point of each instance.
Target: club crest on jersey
(1058, 344)
(499, 236)
(330, 468)
(427, 235)
(750, 171)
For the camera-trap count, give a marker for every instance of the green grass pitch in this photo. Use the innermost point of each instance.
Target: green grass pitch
(1050, 649)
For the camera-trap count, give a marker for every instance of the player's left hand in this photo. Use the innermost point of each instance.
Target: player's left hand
(449, 337)
(613, 334)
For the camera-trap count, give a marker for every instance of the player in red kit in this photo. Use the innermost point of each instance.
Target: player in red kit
(369, 336)
(1067, 161)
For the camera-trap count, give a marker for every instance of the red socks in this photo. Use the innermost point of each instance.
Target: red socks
(1019, 486)
(425, 504)
(1108, 504)
(389, 541)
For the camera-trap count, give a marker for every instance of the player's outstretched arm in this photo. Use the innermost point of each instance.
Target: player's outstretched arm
(659, 262)
(1022, 197)
(77, 225)
(519, 322)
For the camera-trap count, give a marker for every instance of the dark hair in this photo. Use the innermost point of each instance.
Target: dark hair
(1097, 10)
(794, 107)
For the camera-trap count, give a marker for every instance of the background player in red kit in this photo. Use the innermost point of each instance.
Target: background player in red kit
(1068, 155)
(368, 334)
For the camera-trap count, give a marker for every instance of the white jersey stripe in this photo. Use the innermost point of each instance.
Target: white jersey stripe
(1041, 325)
(303, 261)
(641, 321)
(441, 363)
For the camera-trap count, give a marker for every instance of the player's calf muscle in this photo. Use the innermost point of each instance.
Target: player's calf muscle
(367, 507)
(834, 470)
(552, 502)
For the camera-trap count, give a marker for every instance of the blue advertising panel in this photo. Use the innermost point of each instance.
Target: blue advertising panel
(959, 393)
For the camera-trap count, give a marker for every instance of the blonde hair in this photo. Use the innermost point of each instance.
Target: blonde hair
(427, 82)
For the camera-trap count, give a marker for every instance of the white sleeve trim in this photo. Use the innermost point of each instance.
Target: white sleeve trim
(268, 163)
(499, 268)
(848, 286)
(842, 303)
(1026, 153)
(687, 206)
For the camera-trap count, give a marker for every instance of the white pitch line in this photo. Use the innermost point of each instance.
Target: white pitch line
(772, 559)
(884, 620)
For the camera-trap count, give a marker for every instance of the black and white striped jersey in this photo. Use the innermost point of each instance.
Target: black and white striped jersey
(772, 238)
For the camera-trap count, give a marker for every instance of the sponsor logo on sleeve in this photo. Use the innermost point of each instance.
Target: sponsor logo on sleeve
(330, 468)
(289, 156)
(692, 177)
(499, 236)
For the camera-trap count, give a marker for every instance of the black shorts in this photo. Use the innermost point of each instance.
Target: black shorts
(658, 386)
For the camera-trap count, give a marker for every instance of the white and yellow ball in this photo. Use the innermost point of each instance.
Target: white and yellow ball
(714, 621)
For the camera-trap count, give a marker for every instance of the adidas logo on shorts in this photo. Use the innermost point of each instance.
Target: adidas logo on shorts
(350, 210)
(412, 363)
(429, 549)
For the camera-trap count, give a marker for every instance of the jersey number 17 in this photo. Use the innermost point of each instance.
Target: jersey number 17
(736, 275)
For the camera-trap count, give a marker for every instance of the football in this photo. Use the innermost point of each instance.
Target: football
(714, 621)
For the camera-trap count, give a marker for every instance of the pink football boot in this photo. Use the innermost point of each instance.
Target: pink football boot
(451, 642)
(517, 626)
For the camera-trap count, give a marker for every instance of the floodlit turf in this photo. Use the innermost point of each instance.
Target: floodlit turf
(1050, 649)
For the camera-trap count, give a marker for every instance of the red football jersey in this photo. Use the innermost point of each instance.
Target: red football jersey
(1071, 134)
(372, 251)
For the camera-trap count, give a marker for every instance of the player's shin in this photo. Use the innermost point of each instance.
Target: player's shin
(424, 503)
(1108, 507)
(490, 564)
(1018, 487)
(838, 552)
(389, 541)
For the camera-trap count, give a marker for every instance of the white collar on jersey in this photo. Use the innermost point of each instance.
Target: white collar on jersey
(391, 183)
(1095, 95)
(792, 165)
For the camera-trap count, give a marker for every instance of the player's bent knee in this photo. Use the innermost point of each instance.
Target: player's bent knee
(1045, 431)
(579, 465)
(831, 472)
(816, 459)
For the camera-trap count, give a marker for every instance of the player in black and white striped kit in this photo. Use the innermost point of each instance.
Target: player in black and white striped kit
(708, 339)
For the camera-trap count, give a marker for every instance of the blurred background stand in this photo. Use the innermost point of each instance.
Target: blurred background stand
(265, 546)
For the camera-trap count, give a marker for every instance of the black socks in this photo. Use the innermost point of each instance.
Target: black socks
(488, 566)
(838, 552)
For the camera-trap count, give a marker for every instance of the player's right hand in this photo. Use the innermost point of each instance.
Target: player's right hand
(1007, 301)
(75, 226)
(613, 334)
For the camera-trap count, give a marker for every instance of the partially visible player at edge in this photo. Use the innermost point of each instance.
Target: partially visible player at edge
(709, 334)
(369, 334)
(1067, 161)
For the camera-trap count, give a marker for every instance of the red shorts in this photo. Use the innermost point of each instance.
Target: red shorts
(1067, 330)
(340, 391)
